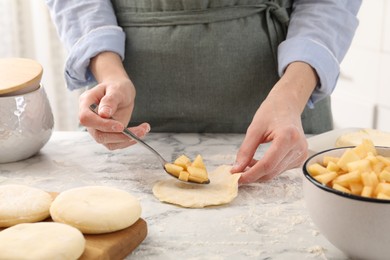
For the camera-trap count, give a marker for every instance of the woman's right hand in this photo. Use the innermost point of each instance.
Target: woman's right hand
(115, 95)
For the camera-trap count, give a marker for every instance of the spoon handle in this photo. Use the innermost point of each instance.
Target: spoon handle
(131, 135)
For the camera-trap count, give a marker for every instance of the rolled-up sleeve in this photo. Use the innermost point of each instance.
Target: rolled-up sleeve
(87, 28)
(320, 34)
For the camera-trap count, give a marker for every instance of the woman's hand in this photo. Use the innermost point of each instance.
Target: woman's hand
(115, 96)
(278, 121)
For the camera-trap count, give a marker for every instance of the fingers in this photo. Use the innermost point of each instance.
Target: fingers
(115, 141)
(265, 166)
(287, 151)
(261, 173)
(90, 119)
(109, 102)
(246, 152)
(116, 102)
(91, 96)
(112, 141)
(292, 160)
(93, 121)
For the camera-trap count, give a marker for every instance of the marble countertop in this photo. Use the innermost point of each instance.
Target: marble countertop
(266, 220)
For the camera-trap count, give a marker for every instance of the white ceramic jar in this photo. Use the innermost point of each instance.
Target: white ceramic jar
(26, 119)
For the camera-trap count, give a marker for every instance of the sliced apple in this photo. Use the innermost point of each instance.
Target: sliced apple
(183, 161)
(184, 176)
(198, 162)
(173, 169)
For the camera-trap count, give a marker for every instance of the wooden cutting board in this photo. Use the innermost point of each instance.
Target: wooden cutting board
(115, 245)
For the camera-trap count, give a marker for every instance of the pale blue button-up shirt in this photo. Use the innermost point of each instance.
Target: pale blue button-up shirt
(320, 33)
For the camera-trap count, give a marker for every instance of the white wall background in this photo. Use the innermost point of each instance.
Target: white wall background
(361, 98)
(27, 31)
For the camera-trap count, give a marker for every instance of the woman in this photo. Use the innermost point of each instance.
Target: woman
(230, 66)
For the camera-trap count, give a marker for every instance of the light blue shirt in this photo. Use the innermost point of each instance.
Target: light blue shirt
(319, 33)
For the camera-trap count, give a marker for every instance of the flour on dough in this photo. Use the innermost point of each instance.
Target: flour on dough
(41, 240)
(22, 204)
(222, 189)
(96, 209)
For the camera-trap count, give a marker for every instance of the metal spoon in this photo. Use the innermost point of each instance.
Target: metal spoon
(128, 133)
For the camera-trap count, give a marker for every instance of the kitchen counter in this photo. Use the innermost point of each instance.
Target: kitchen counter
(266, 220)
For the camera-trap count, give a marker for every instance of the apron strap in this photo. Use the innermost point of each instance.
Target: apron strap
(276, 33)
(277, 18)
(201, 16)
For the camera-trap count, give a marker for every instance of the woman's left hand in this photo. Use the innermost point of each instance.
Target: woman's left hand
(288, 149)
(278, 122)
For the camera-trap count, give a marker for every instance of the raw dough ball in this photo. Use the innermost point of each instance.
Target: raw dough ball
(222, 189)
(96, 209)
(379, 138)
(23, 204)
(43, 240)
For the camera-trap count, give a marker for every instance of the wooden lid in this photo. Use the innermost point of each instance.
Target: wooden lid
(17, 74)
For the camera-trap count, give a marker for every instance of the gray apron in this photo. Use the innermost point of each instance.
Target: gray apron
(205, 65)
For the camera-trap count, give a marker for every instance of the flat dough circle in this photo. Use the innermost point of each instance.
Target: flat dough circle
(42, 240)
(222, 189)
(379, 138)
(23, 204)
(96, 209)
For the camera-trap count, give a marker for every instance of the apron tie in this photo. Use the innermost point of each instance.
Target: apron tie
(277, 33)
(200, 16)
(277, 18)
